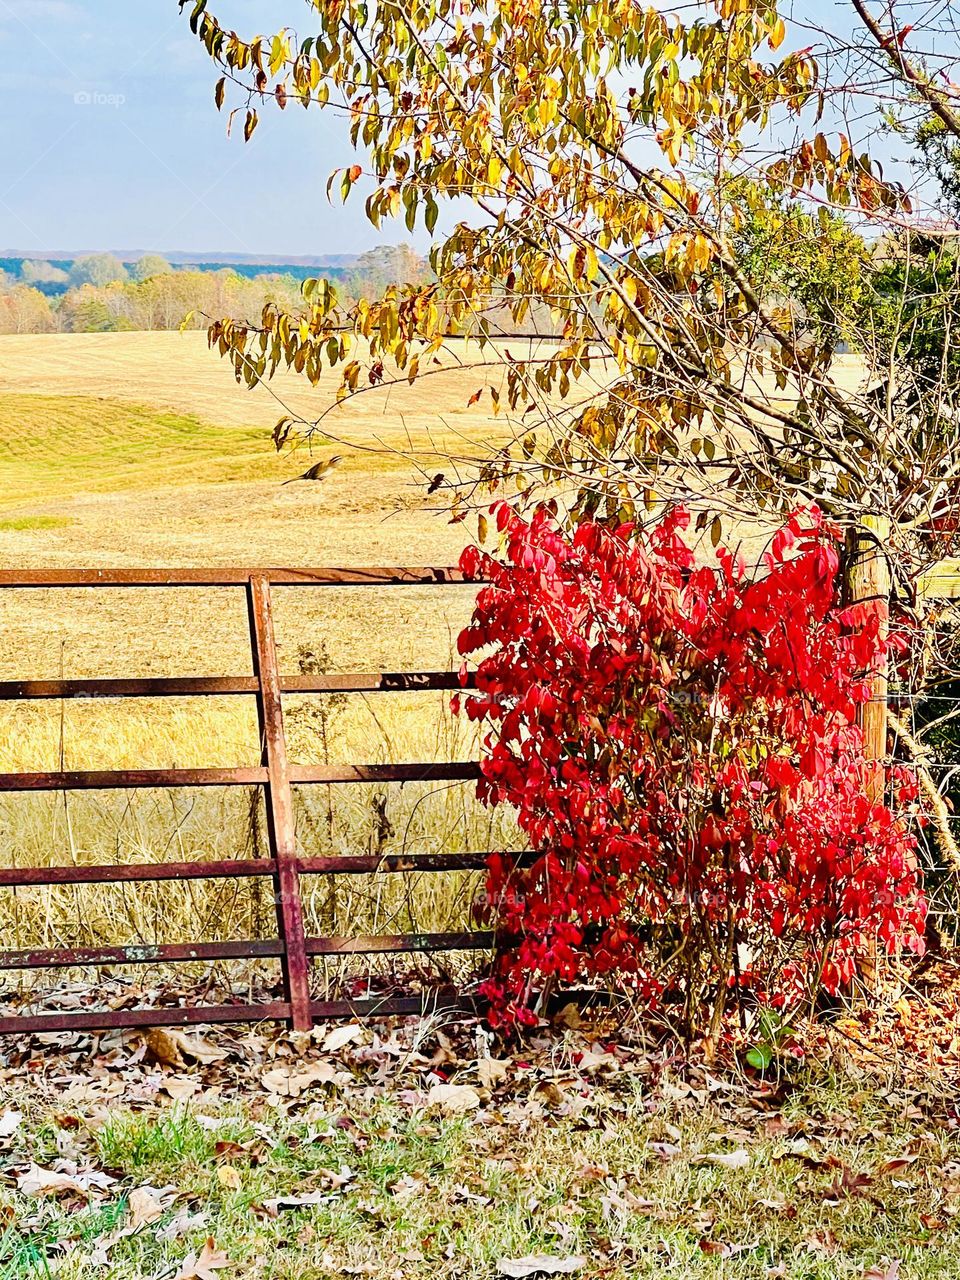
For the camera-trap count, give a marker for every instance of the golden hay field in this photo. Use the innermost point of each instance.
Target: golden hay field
(140, 449)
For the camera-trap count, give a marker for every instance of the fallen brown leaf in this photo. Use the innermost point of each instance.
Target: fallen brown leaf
(739, 1159)
(205, 1265)
(569, 1016)
(453, 1099)
(589, 1062)
(180, 1225)
(491, 1071)
(143, 1206)
(52, 1182)
(225, 1149)
(228, 1177)
(163, 1047)
(665, 1150)
(881, 1272)
(847, 1184)
(722, 1249)
(180, 1087)
(338, 1037)
(196, 1047)
(289, 1083)
(539, 1265)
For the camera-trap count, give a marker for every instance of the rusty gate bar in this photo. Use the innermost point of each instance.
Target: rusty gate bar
(168, 952)
(216, 577)
(162, 1016)
(331, 864)
(193, 686)
(144, 779)
(130, 779)
(183, 1016)
(276, 775)
(73, 957)
(118, 873)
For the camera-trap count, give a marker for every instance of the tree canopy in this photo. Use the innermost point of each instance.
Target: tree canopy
(679, 192)
(39, 272)
(98, 269)
(151, 264)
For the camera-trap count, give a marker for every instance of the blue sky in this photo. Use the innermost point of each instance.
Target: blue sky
(109, 139)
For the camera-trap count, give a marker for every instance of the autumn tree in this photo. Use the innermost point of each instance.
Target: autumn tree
(151, 264)
(383, 267)
(40, 273)
(97, 269)
(603, 149)
(26, 310)
(810, 262)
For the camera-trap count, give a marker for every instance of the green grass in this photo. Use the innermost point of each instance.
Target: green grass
(23, 524)
(53, 446)
(623, 1179)
(161, 1145)
(65, 446)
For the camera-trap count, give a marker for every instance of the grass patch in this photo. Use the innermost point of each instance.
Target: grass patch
(160, 1145)
(834, 1184)
(23, 524)
(66, 446)
(58, 446)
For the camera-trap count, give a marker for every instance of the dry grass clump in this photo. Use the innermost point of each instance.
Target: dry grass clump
(47, 829)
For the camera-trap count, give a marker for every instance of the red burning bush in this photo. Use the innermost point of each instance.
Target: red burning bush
(680, 744)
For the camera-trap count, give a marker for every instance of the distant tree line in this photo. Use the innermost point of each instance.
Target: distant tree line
(99, 294)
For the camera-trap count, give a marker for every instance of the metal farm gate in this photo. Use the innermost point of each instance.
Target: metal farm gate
(292, 947)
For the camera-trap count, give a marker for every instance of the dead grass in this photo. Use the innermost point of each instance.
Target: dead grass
(150, 826)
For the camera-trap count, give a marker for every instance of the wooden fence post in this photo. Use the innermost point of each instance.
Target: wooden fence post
(868, 582)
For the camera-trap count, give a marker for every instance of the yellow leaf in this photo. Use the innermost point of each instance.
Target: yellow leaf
(228, 1177)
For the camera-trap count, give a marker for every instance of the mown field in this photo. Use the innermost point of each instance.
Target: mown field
(141, 449)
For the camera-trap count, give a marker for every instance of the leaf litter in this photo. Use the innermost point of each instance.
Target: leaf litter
(576, 1075)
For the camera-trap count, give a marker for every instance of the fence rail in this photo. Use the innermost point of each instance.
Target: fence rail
(292, 947)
